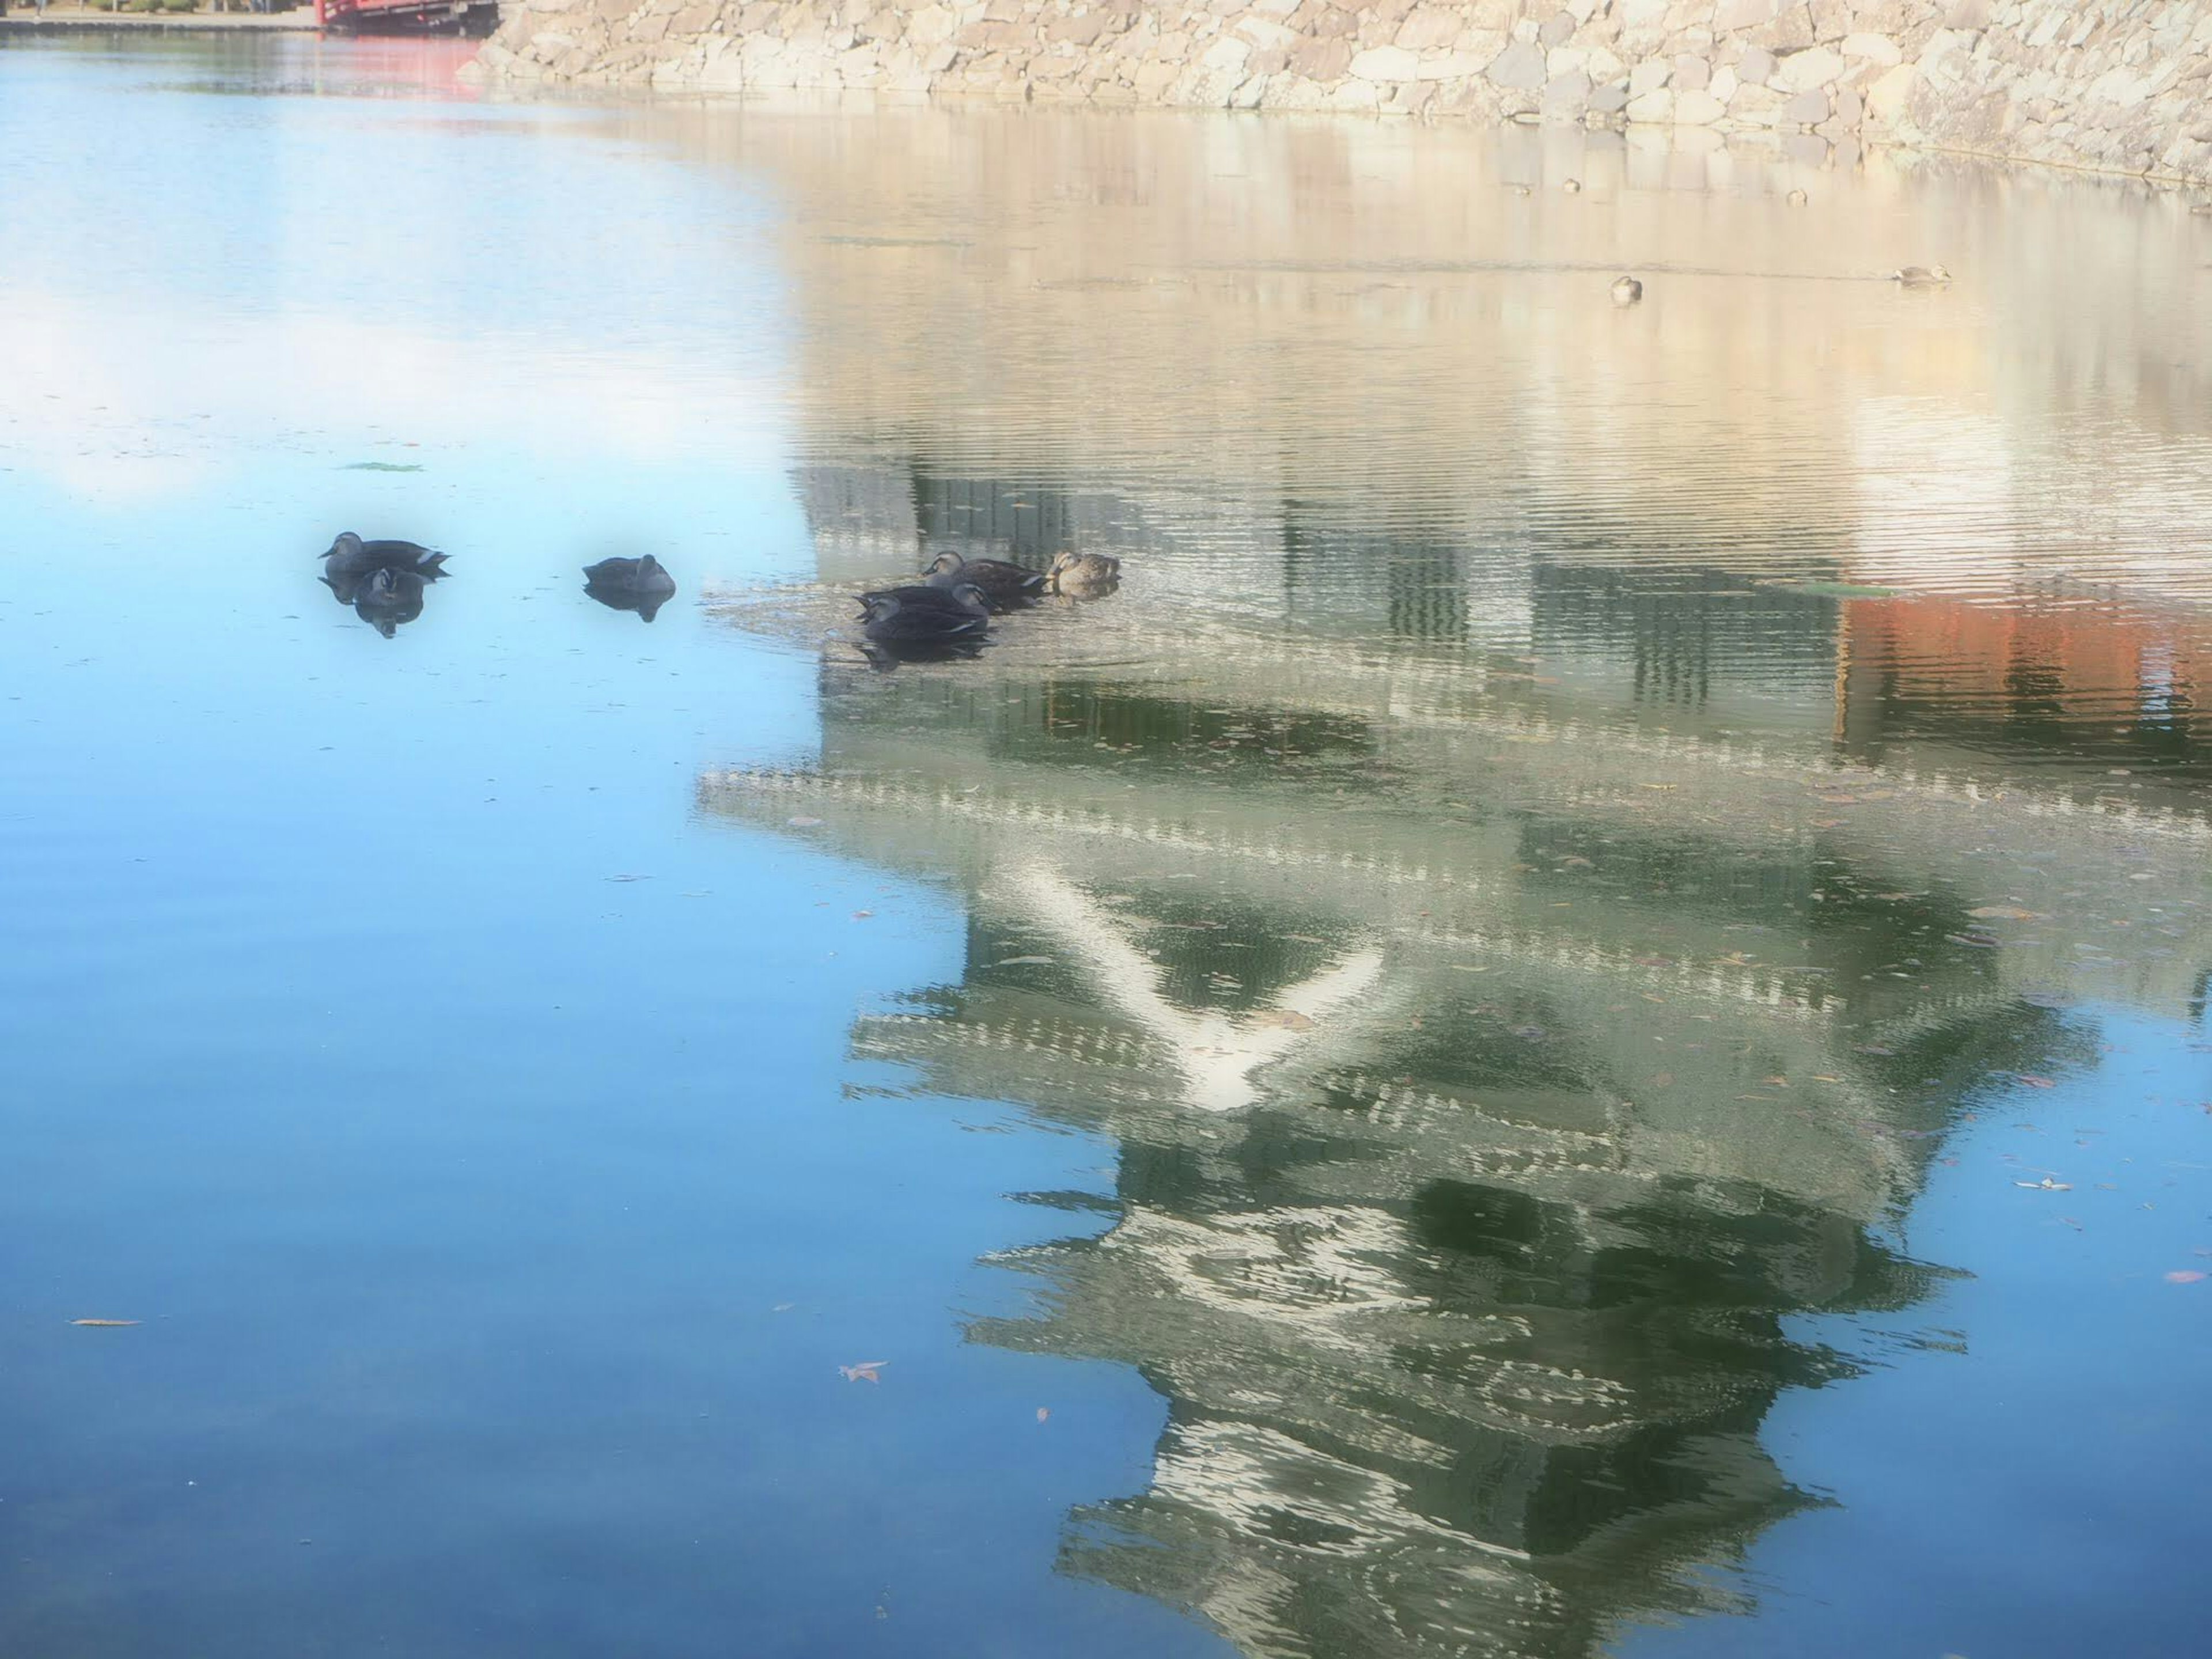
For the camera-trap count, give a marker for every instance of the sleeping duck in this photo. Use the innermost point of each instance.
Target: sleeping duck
(924, 615)
(1084, 575)
(642, 575)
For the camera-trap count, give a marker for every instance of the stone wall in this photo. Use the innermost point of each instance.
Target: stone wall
(2112, 84)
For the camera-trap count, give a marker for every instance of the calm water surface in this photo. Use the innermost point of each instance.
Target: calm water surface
(1575, 1024)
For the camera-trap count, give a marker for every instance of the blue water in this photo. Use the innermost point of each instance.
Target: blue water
(516, 1074)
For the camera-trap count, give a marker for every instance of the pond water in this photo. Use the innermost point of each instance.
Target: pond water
(1575, 1025)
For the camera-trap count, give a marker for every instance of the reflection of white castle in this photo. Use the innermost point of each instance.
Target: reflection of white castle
(1382, 1438)
(1492, 1072)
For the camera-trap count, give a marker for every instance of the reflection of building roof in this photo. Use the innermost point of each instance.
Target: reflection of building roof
(1043, 761)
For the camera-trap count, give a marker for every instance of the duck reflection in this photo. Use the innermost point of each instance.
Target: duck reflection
(887, 656)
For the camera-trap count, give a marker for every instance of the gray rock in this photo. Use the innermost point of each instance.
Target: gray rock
(1567, 94)
(1520, 66)
(1756, 68)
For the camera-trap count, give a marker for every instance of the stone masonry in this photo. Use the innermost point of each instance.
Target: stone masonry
(2115, 85)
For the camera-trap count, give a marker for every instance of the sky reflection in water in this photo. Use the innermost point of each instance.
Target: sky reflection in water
(1469, 1065)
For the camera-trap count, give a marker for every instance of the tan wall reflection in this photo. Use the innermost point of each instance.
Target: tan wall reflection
(1371, 314)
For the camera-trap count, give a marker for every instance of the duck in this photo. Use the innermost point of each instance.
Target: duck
(349, 556)
(1003, 583)
(921, 615)
(642, 575)
(388, 599)
(1626, 290)
(1084, 575)
(1921, 276)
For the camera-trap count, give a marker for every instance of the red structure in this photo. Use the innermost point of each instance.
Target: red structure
(407, 17)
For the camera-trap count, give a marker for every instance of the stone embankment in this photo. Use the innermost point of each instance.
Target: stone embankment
(2118, 85)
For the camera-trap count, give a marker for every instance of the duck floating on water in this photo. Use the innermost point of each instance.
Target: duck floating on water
(1921, 276)
(642, 585)
(925, 616)
(349, 556)
(642, 574)
(1003, 584)
(1626, 290)
(1084, 575)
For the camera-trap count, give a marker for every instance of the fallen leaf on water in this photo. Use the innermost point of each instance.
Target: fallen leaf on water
(1042, 1413)
(1022, 961)
(1288, 1019)
(2183, 1276)
(2005, 913)
(804, 824)
(103, 1321)
(862, 915)
(864, 1371)
(1658, 786)
(2035, 1082)
(2046, 1185)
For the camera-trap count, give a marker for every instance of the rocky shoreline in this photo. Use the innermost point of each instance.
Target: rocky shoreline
(2118, 86)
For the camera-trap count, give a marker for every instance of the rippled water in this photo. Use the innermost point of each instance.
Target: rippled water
(1576, 1024)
